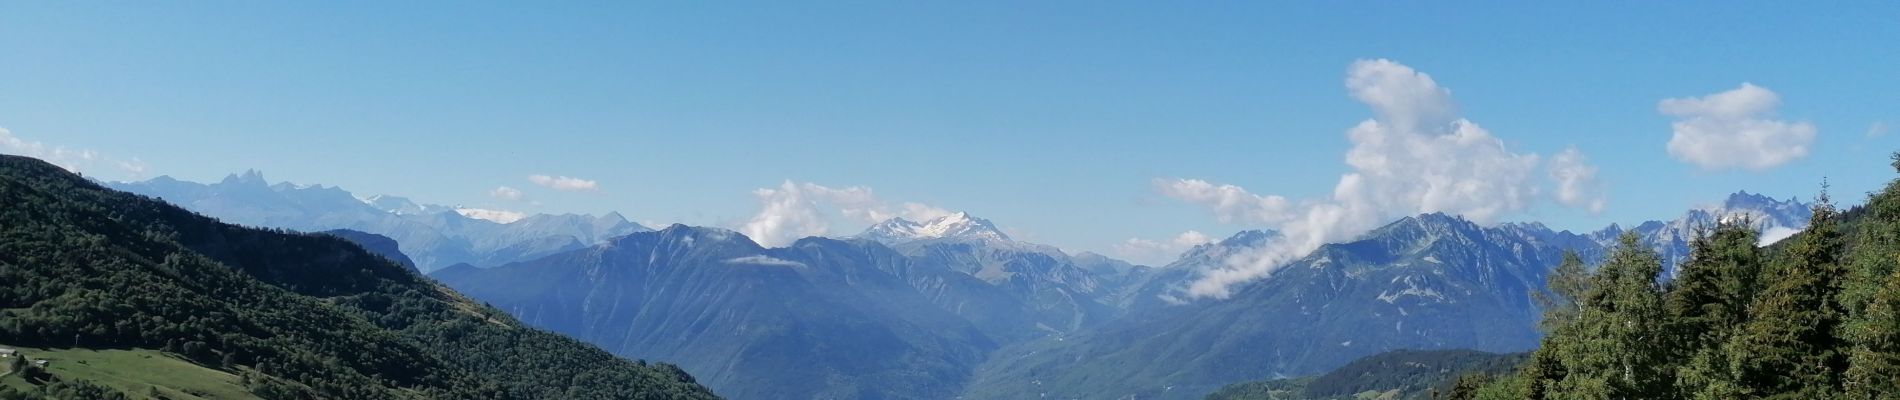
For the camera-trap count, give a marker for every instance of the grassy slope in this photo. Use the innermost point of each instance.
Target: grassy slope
(135, 372)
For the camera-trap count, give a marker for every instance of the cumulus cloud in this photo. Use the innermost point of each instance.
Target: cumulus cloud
(506, 193)
(565, 183)
(76, 160)
(796, 210)
(1416, 155)
(501, 216)
(1735, 129)
(1576, 181)
(1159, 252)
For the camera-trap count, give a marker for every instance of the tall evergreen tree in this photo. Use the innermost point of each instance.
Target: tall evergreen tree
(1708, 299)
(1876, 241)
(1874, 364)
(1872, 298)
(1790, 348)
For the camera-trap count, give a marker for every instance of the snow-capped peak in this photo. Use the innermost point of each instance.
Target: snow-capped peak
(954, 226)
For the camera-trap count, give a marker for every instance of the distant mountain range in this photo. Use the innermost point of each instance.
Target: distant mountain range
(1427, 282)
(434, 236)
(955, 307)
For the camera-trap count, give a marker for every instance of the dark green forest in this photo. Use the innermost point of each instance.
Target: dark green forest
(298, 316)
(1398, 374)
(1810, 317)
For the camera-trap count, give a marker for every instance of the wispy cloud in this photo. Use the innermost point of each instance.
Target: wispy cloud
(1576, 181)
(1415, 155)
(1159, 252)
(1734, 129)
(72, 159)
(506, 193)
(1877, 129)
(796, 210)
(565, 183)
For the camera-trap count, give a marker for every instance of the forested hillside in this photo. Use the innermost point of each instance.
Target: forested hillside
(296, 316)
(1813, 317)
(1398, 374)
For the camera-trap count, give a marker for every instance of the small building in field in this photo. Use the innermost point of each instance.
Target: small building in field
(39, 363)
(8, 353)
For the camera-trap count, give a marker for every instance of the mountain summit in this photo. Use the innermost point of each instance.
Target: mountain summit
(954, 226)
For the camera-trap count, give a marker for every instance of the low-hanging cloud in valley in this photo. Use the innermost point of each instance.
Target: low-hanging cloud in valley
(1735, 129)
(1415, 155)
(565, 183)
(795, 210)
(1156, 252)
(71, 159)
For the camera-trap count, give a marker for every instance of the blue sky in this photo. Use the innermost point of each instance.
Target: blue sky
(1053, 119)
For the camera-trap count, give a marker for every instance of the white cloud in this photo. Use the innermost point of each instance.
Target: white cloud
(1229, 203)
(796, 210)
(1734, 130)
(506, 193)
(1159, 252)
(501, 216)
(1877, 129)
(565, 183)
(1414, 156)
(1576, 181)
(71, 159)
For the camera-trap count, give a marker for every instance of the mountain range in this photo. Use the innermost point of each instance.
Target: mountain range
(955, 307)
(434, 236)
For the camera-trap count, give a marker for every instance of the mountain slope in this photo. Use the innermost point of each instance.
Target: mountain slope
(1425, 282)
(820, 319)
(297, 315)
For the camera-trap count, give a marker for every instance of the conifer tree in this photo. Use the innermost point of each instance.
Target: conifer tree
(1789, 348)
(1708, 299)
(1874, 363)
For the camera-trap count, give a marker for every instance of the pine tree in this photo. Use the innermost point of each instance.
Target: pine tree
(1874, 363)
(1708, 299)
(1789, 348)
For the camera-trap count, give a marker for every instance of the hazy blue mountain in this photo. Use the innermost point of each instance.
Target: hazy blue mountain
(1426, 282)
(1059, 295)
(823, 318)
(434, 236)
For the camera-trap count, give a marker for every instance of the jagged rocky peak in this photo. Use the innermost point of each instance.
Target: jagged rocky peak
(249, 177)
